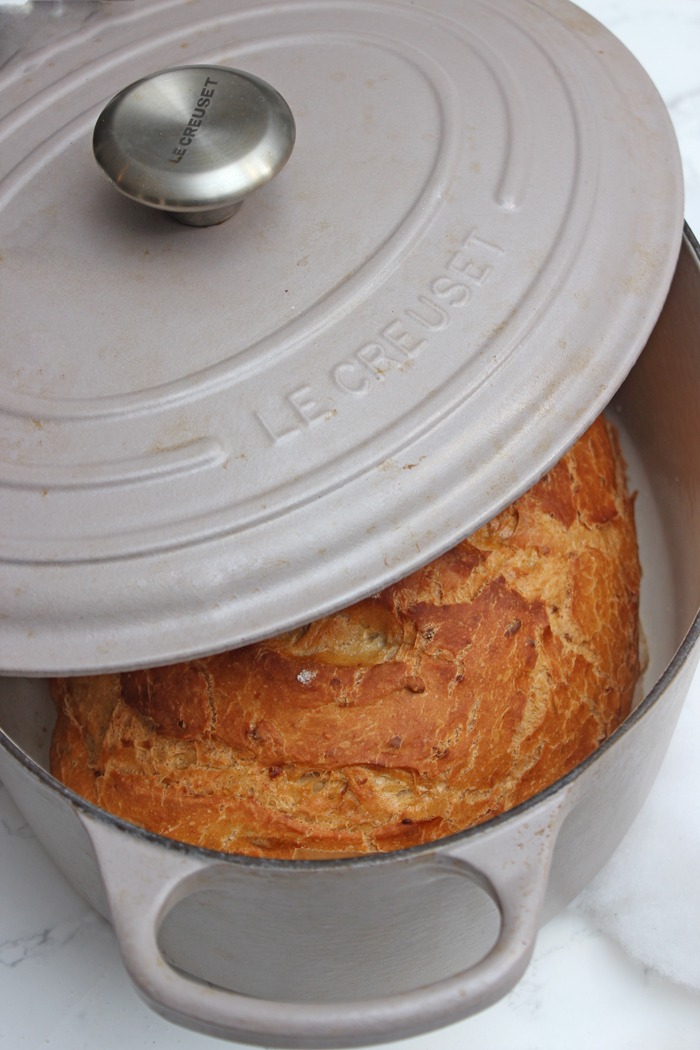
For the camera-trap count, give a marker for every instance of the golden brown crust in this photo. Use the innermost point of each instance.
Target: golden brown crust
(440, 702)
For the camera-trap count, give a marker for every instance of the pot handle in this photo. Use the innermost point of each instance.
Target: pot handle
(144, 881)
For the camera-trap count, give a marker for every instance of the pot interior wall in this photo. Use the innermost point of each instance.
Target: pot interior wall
(658, 408)
(27, 716)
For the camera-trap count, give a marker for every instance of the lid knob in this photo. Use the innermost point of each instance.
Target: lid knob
(194, 141)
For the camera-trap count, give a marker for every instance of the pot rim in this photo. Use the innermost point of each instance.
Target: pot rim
(270, 863)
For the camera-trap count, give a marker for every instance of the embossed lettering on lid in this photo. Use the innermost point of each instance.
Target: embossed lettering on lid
(207, 436)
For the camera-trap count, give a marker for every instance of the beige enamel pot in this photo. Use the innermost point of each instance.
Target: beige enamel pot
(355, 952)
(211, 435)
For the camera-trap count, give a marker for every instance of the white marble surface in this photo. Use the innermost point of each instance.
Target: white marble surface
(618, 970)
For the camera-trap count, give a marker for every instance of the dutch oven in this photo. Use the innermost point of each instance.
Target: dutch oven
(213, 434)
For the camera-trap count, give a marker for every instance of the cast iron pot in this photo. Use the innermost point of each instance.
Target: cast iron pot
(354, 952)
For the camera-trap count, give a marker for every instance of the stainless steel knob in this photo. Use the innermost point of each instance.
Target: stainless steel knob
(194, 141)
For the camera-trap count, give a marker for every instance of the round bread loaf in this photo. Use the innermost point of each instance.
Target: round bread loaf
(430, 707)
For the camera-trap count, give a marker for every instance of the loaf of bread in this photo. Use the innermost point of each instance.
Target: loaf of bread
(430, 707)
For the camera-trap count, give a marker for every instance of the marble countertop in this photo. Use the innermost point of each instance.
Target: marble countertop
(619, 969)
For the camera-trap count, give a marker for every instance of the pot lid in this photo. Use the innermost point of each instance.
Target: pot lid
(211, 435)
